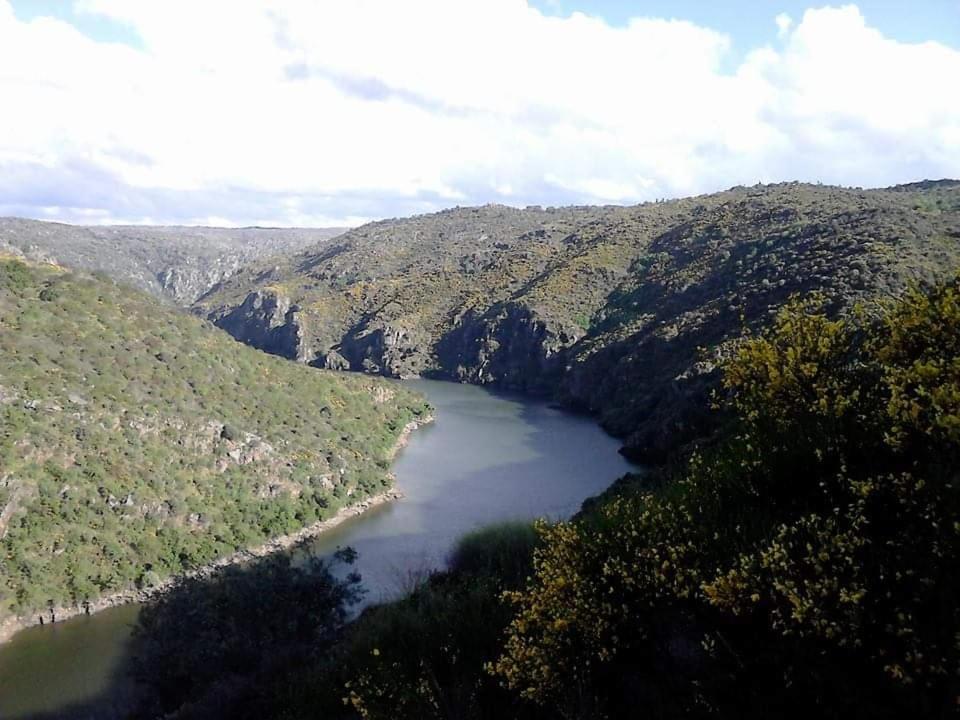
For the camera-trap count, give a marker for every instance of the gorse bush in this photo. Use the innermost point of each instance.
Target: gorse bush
(805, 563)
(918, 349)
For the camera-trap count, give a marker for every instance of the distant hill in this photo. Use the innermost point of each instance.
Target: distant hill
(138, 441)
(178, 263)
(622, 311)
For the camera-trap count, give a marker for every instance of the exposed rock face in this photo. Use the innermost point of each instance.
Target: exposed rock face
(509, 345)
(185, 283)
(623, 312)
(266, 320)
(333, 361)
(385, 348)
(179, 264)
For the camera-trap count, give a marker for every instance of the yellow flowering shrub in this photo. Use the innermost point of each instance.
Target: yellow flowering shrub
(796, 371)
(918, 347)
(812, 551)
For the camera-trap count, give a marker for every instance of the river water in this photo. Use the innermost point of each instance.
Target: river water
(487, 457)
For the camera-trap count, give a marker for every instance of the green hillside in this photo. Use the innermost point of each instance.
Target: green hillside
(137, 441)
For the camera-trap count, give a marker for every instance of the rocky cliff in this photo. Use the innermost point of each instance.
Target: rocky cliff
(620, 311)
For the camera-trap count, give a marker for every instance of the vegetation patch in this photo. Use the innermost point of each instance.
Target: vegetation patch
(137, 442)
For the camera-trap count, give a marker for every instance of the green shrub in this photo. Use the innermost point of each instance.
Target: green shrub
(503, 551)
(806, 564)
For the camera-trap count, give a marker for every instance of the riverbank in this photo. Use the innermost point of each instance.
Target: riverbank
(14, 624)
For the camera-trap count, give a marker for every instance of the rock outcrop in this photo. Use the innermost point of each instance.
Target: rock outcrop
(268, 321)
(510, 345)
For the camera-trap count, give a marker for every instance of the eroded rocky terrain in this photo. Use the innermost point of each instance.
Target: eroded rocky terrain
(175, 263)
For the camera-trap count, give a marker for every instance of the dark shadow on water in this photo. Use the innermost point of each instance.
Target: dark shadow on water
(115, 703)
(209, 643)
(70, 668)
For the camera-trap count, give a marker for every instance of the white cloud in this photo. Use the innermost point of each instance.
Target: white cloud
(297, 112)
(784, 23)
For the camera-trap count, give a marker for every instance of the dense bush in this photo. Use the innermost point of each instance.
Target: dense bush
(805, 564)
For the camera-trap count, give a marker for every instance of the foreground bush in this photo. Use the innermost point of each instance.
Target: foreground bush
(424, 656)
(805, 564)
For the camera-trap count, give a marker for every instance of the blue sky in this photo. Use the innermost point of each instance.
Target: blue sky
(96, 27)
(289, 113)
(748, 21)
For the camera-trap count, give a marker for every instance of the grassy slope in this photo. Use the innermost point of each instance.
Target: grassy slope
(136, 441)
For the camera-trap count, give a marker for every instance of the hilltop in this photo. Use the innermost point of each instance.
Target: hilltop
(138, 441)
(175, 263)
(620, 311)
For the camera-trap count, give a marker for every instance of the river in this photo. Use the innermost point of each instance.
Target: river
(487, 457)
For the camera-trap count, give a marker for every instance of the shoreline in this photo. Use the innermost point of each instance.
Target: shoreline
(14, 624)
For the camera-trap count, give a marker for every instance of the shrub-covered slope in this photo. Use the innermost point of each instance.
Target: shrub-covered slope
(618, 310)
(805, 566)
(176, 263)
(137, 441)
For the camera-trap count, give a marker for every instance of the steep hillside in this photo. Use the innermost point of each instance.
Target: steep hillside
(621, 311)
(176, 263)
(138, 441)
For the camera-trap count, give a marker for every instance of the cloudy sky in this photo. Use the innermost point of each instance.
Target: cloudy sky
(315, 112)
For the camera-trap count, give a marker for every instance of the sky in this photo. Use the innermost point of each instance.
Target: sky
(314, 113)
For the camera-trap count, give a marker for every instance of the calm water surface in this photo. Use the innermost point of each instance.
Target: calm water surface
(486, 458)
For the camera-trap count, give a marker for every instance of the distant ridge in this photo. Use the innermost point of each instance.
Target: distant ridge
(177, 263)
